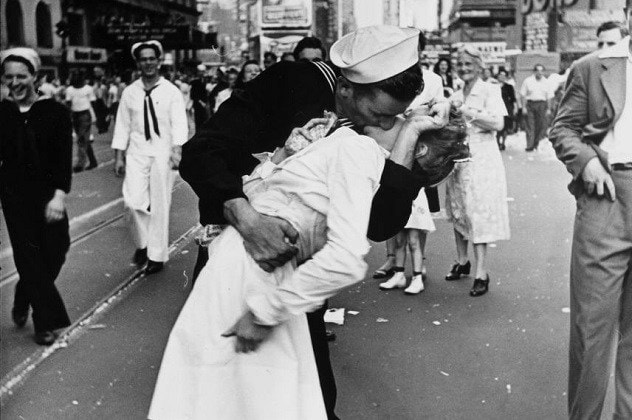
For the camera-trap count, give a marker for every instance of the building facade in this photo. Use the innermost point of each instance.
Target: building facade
(31, 23)
(568, 26)
(483, 21)
(99, 33)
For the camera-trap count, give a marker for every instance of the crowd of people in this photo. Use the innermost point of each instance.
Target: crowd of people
(297, 165)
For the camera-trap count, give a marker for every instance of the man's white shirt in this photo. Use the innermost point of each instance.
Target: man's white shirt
(80, 98)
(535, 90)
(129, 131)
(617, 142)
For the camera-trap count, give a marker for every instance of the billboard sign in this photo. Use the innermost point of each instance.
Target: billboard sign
(86, 55)
(492, 52)
(171, 36)
(286, 13)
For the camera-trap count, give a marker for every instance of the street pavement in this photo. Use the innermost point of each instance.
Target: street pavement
(437, 355)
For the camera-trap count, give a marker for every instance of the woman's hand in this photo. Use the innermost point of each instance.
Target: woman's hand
(56, 208)
(428, 117)
(300, 137)
(248, 334)
(315, 129)
(433, 116)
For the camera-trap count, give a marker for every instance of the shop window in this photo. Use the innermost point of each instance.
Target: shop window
(15, 23)
(43, 26)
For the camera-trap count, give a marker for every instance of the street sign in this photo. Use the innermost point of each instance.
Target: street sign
(492, 52)
(86, 55)
(286, 13)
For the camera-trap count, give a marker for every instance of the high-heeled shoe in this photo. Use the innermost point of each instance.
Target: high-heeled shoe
(416, 285)
(398, 281)
(383, 274)
(480, 287)
(458, 270)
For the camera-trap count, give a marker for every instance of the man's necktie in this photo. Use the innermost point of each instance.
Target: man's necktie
(150, 104)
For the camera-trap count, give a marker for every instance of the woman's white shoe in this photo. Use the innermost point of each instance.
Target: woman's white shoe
(416, 285)
(396, 282)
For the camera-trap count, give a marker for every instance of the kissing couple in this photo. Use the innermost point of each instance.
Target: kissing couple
(241, 347)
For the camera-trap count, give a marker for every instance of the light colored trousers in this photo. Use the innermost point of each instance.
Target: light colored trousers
(601, 302)
(147, 196)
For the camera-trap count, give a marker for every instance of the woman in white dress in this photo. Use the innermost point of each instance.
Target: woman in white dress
(325, 192)
(414, 235)
(476, 193)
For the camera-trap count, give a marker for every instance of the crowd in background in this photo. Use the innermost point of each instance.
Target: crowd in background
(94, 100)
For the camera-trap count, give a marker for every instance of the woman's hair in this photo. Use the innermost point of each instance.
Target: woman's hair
(308, 42)
(435, 69)
(240, 77)
(77, 80)
(474, 53)
(404, 86)
(446, 146)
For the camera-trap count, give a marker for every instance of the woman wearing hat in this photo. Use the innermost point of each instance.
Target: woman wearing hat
(35, 174)
(476, 193)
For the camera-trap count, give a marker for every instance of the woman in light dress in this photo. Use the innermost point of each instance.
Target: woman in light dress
(414, 236)
(476, 192)
(325, 191)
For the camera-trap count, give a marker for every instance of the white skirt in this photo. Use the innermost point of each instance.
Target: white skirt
(201, 376)
(420, 217)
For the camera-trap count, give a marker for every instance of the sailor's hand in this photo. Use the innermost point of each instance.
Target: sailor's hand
(269, 240)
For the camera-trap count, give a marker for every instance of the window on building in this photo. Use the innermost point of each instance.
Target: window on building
(15, 23)
(43, 25)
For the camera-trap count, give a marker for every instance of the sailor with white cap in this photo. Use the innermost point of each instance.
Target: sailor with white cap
(35, 177)
(380, 77)
(150, 129)
(337, 175)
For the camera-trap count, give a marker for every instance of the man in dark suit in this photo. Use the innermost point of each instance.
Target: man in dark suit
(592, 135)
(199, 97)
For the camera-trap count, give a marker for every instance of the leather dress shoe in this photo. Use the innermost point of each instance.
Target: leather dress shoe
(20, 317)
(480, 287)
(330, 335)
(45, 338)
(153, 267)
(140, 256)
(458, 270)
(77, 169)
